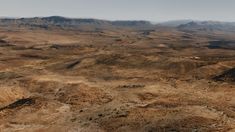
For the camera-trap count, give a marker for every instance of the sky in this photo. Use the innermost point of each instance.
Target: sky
(151, 10)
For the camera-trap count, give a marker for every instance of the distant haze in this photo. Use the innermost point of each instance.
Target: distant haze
(152, 10)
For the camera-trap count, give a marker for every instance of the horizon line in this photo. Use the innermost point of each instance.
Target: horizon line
(103, 19)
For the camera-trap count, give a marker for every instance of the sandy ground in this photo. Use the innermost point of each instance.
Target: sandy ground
(114, 81)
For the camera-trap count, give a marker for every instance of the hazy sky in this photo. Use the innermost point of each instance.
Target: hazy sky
(153, 10)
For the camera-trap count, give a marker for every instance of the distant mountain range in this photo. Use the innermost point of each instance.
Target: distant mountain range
(174, 23)
(208, 26)
(63, 22)
(70, 22)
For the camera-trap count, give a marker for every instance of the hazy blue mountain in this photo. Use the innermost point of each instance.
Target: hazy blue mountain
(208, 26)
(174, 23)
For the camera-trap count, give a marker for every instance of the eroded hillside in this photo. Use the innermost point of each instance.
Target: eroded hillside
(115, 80)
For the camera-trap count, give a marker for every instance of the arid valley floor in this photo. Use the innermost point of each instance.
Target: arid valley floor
(163, 80)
